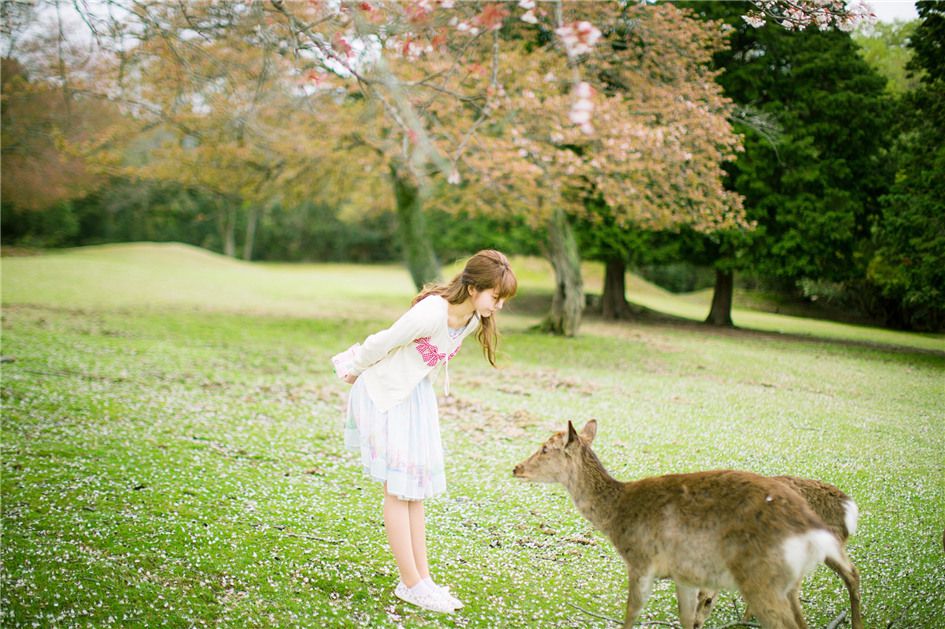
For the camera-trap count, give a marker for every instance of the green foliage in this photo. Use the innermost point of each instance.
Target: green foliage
(908, 265)
(928, 40)
(815, 192)
(141, 210)
(813, 174)
(137, 210)
(662, 257)
(315, 232)
(53, 226)
(679, 277)
(459, 234)
(600, 238)
(884, 46)
(184, 465)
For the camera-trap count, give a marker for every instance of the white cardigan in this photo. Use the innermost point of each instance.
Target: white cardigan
(394, 361)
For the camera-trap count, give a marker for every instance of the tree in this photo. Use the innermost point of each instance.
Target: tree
(230, 120)
(652, 156)
(42, 124)
(908, 265)
(814, 164)
(682, 187)
(411, 60)
(48, 120)
(885, 47)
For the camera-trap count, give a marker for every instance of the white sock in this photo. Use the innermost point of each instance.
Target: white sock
(430, 583)
(421, 588)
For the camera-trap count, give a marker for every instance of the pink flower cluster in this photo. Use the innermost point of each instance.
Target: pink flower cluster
(529, 15)
(583, 107)
(799, 14)
(578, 37)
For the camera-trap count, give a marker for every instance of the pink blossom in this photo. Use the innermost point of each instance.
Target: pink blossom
(578, 37)
(583, 107)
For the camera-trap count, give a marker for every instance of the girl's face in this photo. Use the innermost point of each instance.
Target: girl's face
(487, 301)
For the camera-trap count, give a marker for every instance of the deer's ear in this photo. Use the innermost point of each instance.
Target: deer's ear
(572, 434)
(589, 431)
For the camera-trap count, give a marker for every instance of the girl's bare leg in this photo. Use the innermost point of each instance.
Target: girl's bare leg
(397, 524)
(418, 537)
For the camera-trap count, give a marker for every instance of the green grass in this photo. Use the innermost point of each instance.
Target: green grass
(172, 452)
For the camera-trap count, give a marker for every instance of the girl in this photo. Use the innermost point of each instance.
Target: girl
(392, 409)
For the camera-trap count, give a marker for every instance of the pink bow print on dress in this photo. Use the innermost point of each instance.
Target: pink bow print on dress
(431, 355)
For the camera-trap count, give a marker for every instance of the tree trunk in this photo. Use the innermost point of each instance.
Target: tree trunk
(614, 300)
(227, 224)
(418, 249)
(721, 312)
(567, 305)
(251, 219)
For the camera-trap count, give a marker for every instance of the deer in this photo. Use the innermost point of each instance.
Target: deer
(711, 530)
(840, 514)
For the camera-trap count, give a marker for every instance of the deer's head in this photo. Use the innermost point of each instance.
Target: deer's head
(556, 459)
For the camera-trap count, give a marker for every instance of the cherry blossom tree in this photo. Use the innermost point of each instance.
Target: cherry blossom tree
(440, 72)
(362, 42)
(650, 155)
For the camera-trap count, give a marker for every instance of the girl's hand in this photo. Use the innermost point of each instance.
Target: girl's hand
(350, 378)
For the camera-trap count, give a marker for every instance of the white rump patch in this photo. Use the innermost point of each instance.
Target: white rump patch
(851, 516)
(803, 552)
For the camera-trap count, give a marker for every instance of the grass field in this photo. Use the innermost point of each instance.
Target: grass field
(172, 452)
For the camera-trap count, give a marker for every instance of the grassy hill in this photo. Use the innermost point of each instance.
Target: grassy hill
(172, 452)
(124, 276)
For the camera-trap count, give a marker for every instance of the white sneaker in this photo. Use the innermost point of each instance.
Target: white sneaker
(446, 594)
(424, 598)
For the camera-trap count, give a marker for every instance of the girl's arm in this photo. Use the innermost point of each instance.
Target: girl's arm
(417, 322)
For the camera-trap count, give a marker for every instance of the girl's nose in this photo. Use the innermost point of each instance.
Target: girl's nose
(500, 304)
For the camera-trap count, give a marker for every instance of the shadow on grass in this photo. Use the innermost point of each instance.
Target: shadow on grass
(538, 304)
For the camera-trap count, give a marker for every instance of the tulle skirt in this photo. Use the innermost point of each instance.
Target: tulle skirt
(401, 447)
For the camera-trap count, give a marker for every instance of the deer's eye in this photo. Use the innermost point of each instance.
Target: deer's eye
(544, 449)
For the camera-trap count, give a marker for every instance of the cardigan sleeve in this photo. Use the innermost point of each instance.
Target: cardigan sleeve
(419, 321)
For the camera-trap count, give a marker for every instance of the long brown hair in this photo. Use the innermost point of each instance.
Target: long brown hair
(487, 270)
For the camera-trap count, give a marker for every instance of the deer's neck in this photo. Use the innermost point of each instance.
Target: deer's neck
(595, 492)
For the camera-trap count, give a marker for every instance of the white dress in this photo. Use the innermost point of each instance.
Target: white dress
(401, 447)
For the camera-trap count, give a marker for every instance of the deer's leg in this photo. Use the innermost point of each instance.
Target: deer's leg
(851, 578)
(688, 599)
(638, 590)
(773, 610)
(795, 597)
(704, 606)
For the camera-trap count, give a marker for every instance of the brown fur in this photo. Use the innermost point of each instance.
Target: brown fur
(829, 503)
(705, 530)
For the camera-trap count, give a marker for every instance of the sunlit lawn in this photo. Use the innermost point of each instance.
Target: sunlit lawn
(172, 452)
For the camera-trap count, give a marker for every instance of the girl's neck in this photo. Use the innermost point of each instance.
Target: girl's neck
(458, 315)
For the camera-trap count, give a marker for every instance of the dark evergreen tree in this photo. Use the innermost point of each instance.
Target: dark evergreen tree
(908, 266)
(816, 123)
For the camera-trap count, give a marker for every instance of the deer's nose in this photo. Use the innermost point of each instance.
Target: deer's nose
(518, 471)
